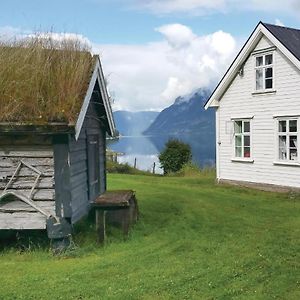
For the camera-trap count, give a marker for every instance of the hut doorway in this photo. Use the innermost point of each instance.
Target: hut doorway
(93, 166)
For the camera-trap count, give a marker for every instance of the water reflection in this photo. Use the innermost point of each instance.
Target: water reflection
(146, 148)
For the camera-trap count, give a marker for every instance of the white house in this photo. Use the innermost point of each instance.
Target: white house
(258, 111)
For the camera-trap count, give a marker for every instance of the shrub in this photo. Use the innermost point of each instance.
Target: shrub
(174, 156)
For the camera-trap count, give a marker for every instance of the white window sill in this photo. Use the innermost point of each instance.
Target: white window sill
(286, 163)
(271, 91)
(242, 160)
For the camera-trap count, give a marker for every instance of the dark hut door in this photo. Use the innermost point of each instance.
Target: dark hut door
(93, 166)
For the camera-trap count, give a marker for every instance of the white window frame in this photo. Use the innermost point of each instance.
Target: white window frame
(287, 134)
(242, 134)
(264, 67)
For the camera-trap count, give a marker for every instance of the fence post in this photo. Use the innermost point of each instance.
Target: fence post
(153, 170)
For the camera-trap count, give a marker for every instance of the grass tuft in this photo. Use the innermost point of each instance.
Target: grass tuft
(43, 80)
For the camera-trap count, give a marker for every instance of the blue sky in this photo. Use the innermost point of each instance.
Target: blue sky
(152, 50)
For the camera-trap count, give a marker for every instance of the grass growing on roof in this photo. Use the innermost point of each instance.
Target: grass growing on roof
(43, 80)
(195, 240)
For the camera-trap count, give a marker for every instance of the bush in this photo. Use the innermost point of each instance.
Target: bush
(174, 156)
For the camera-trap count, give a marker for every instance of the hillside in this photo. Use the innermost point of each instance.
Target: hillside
(133, 123)
(194, 240)
(185, 115)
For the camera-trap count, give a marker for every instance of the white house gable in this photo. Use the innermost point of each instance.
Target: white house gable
(247, 121)
(264, 43)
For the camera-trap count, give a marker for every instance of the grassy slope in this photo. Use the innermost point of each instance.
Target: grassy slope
(194, 241)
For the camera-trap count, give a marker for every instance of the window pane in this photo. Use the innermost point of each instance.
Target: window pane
(246, 126)
(269, 83)
(293, 125)
(238, 151)
(293, 154)
(282, 126)
(238, 127)
(247, 152)
(282, 142)
(282, 147)
(282, 154)
(259, 79)
(247, 140)
(259, 61)
(293, 141)
(269, 59)
(238, 141)
(269, 72)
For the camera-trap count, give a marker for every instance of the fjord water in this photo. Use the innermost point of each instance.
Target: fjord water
(145, 149)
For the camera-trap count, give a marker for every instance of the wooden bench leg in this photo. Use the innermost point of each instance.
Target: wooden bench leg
(126, 222)
(100, 225)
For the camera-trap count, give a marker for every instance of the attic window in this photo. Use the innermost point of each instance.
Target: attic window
(264, 72)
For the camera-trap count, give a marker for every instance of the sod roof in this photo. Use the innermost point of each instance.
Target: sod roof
(43, 82)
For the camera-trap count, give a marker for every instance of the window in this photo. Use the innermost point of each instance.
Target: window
(288, 131)
(242, 139)
(264, 72)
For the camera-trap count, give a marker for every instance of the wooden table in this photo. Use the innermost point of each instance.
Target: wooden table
(123, 209)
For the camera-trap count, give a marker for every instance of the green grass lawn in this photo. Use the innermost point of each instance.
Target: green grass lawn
(195, 240)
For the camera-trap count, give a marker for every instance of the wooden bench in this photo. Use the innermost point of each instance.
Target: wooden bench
(118, 207)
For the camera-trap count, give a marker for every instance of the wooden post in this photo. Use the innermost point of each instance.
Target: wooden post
(126, 222)
(100, 225)
(135, 163)
(153, 170)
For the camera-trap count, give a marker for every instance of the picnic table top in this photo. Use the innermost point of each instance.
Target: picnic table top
(114, 199)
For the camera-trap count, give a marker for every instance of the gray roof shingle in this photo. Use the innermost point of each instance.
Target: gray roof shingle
(289, 37)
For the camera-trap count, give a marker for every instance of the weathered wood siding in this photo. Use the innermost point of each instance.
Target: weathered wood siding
(238, 101)
(15, 214)
(79, 180)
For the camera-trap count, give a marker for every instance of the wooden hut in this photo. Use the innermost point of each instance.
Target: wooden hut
(52, 160)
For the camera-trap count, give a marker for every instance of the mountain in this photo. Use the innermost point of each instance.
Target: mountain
(185, 115)
(133, 123)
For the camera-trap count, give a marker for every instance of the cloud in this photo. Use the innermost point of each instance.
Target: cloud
(151, 76)
(8, 33)
(203, 7)
(60, 36)
(177, 35)
(171, 6)
(278, 22)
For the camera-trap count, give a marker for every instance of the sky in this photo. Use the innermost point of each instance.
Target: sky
(152, 51)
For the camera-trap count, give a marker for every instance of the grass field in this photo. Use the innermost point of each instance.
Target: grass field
(194, 240)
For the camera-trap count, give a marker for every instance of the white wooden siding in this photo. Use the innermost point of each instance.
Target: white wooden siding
(238, 100)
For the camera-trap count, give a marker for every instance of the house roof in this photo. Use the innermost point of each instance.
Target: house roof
(289, 37)
(41, 86)
(287, 40)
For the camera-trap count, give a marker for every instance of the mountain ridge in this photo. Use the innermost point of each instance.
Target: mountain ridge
(133, 123)
(185, 115)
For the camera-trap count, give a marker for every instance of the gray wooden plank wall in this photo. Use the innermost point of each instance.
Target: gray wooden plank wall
(78, 177)
(15, 214)
(93, 124)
